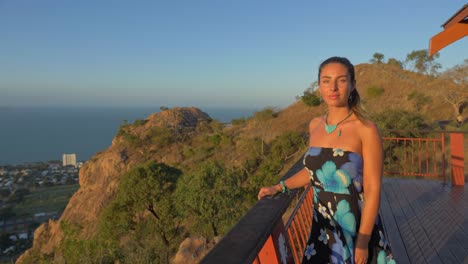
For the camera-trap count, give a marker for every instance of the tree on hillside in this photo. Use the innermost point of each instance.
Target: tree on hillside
(262, 121)
(280, 150)
(377, 58)
(395, 62)
(145, 197)
(396, 119)
(458, 74)
(397, 123)
(287, 145)
(311, 96)
(458, 100)
(421, 62)
(210, 196)
(457, 97)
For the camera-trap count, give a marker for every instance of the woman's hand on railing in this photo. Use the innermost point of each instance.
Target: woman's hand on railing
(269, 191)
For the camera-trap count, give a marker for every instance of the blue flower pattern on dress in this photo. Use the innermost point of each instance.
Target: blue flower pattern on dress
(323, 236)
(383, 241)
(354, 167)
(382, 258)
(310, 251)
(333, 180)
(336, 178)
(337, 250)
(346, 220)
(313, 152)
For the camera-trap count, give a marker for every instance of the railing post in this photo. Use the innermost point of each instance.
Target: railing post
(457, 160)
(444, 164)
(276, 249)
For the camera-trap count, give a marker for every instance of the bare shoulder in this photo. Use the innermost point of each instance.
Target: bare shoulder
(315, 122)
(367, 126)
(369, 131)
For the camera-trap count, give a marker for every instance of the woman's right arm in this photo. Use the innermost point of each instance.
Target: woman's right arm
(298, 180)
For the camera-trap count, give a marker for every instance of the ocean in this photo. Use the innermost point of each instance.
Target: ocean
(41, 134)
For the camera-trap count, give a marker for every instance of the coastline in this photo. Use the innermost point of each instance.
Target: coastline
(42, 134)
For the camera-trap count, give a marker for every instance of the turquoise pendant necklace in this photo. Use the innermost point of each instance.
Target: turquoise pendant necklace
(329, 129)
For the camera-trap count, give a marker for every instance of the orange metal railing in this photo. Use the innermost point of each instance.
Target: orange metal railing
(299, 224)
(423, 156)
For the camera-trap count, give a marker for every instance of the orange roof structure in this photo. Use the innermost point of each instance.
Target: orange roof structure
(454, 29)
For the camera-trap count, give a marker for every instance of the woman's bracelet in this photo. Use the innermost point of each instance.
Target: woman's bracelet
(284, 188)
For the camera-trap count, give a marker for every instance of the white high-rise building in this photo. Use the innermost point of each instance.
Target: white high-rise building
(69, 160)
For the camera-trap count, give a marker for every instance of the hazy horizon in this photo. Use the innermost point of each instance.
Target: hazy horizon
(32, 134)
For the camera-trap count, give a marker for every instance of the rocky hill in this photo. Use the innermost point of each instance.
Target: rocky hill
(175, 137)
(99, 177)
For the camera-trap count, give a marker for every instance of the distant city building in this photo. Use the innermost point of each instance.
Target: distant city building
(69, 160)
(54, 166)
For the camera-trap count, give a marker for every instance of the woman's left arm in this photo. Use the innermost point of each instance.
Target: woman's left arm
(372, 152)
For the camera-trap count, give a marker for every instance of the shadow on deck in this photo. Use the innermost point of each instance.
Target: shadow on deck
(426, 222)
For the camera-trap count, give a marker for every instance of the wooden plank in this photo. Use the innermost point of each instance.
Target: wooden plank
(414, 252)
(416, 196)
(408, 193)
(392, 231)
(458, 251)
(440, 213)
(456, 213)
(427, 219)
(430, 213)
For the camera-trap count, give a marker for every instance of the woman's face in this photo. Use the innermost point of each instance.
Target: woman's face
(335, 85)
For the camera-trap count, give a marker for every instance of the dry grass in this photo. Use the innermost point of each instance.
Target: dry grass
(398, 84)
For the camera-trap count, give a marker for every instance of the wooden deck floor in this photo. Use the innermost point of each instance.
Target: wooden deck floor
(426, 222)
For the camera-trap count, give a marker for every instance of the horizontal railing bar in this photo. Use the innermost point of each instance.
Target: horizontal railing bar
(426, 131)
(411, 139)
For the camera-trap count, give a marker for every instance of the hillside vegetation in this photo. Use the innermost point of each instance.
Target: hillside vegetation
(179, 175)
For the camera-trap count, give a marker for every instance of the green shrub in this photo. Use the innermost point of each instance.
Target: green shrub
(215, 139)
(394, 62)
(187, 152)
(419, 99)
(310, 99)
(143, 213)
(77, 250)
(375, 91)
(265, 114)
(218, 199)
(396, 119)
(161, 136)
(268, 167)
(139, 122)
(238, 121)
(286, 145)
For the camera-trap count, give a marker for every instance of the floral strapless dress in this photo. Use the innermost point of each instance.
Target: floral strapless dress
(336, 177)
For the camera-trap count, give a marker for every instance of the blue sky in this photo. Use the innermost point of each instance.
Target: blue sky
(199, 53)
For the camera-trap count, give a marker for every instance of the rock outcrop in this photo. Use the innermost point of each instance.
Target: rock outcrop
(193, 249)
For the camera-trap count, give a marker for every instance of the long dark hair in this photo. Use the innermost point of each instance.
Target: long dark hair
(354, 100)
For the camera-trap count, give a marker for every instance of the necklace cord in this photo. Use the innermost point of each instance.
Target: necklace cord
(329, 129)
(326, 117)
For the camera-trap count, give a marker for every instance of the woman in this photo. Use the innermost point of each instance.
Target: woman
(344, 165)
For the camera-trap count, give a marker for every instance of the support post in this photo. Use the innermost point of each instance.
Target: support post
(457, 159)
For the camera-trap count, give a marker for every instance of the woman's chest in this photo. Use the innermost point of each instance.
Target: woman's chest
(345, 138)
